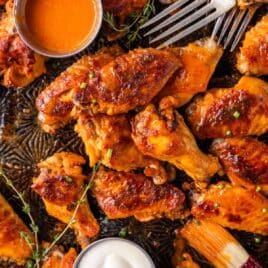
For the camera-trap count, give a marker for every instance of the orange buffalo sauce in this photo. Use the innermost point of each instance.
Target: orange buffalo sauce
(61, 25)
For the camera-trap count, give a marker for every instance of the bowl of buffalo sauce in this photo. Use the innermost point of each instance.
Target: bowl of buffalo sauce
(58, 28)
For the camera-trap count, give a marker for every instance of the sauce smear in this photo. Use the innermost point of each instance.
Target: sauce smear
(61, 25)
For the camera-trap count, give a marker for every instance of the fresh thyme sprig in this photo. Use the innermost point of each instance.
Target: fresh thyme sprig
(137, 20)
(27, 210)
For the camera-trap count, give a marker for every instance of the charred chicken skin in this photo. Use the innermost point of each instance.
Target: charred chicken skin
(234, 207)
(122, 195)
(129, 81)
(108, 140)
(12, 245)
(61, 185)
(238, 111)
(245, 161)
(199, 61)
(19, 65)
(253, 56)
(165, 136)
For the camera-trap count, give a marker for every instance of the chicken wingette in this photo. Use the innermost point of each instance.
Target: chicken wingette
(19, 65)
(12, 230)
(61, 185)
(165, 136)
(122, 195)
(234, 207)
(238, 111)
(199, 60)
(129, 81)
(253, 56)
(108, 140)
(245, 161)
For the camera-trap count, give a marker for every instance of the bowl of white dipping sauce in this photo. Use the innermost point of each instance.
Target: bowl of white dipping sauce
(114, 253)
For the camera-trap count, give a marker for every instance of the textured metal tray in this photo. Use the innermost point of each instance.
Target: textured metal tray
(23, 145)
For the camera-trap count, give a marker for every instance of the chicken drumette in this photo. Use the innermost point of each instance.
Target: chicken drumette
(165, 136)
(253, 56)
(238, 111)
(122, 195)
(245, 161)
(61, 185)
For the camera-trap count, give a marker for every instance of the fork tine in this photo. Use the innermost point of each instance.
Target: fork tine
(191, 29)
(217, 26)
(165, 12)
(244, 26)
(183, 23)
(234, 27)
(227, 24)
(176, 16)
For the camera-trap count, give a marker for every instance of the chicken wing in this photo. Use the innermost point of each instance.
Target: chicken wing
(19, 65)
(55, 103)
(129, 81)
(245, 3)
(199, 60)
(217, 245)
(58, 259)
(121, 195)
(253, 56)
(60, 184)
(12, 245)
(239, 111)
(108, 140)
(164, 136)
(245, 161)
(234, 207)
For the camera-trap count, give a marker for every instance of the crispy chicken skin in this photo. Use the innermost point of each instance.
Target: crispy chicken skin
(19, 65)
(60, 260)
(253, 56)
(108, 140)
(121, 195)
(129, 81)
(12, 245)
(245, 161)
(246, 3)
(199, 60)
(238, 111)
(55, 103)
(60, 184)
(165, 136)
(234, 207)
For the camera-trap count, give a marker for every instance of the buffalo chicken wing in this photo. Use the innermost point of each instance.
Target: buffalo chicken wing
(122, 195)
(61, 185)
(238, 111)
(165, 136)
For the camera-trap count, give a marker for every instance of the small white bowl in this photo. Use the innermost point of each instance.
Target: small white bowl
(108, 250)
(21, 26)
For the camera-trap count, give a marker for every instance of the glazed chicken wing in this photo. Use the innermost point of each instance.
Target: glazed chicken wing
(245, 161)
(199, 61)
(253, 56)
(61, 185)
(12, 246)
(245, 3)
(238, 111)
(129, 81)
(108, 140)
(55, 103)
(164, 136)
(122, 195)
(234, 207)
(19, 65)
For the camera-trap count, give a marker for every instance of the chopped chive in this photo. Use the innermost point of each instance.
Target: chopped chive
(83, 85)
(229, 186)
(229, 133)
(123, 232)
(236, 114)
(264, 210)
(197, 222)
(109, 153)
(94, 101)
(68, 179)
(257, 240)
(181, 258)
(217, 205)
(55, 65)
(221, 186)
(91, 75)
(258, 189)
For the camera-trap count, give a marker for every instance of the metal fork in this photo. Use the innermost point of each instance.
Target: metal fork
(233, 25)
(189, 16)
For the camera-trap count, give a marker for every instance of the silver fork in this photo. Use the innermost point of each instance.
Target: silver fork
(189, 16)
(233, 25)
